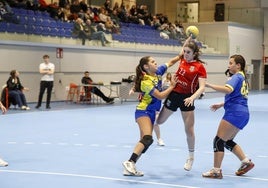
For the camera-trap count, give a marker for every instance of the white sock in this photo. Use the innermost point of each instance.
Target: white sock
(216, 169)
(246, 160)
(191, 154)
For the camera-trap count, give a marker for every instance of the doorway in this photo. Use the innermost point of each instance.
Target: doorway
(188, 12)
(256, 75)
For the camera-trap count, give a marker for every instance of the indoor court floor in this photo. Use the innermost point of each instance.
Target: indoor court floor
(83, 146)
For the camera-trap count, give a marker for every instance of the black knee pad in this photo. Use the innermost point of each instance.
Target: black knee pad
(218, 144)
(230, 144)
(147, 140)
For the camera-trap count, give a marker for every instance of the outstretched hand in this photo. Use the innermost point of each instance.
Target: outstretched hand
(215, 107)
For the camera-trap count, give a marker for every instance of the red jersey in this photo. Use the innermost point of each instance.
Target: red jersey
(188, 74)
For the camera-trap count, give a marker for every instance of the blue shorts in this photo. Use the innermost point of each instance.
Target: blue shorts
(238, 119)
(141, 113)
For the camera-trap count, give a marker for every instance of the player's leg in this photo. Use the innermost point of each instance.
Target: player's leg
(188, 119)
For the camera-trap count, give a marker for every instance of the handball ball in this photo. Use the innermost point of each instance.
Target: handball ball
(192, 30)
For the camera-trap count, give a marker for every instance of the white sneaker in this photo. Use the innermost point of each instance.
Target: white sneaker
(160, 142)
(127, 173)
(213, 173)
(130, 167)
(27, 108)
(188, 164)
(23, 107)
(3, 163)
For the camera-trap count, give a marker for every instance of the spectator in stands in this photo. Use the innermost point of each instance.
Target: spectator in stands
(173, 32)
(156, 23)
(93, 89)
(79, 30)
(63, 3)
(15, 90)
(103, 15)
(61, 15)
(111, 27)
(6, 13)
(75, 9)
(93, 34)
(123, 13)
(89, 14)
(107, 6)
(53, 10)
(114, 17)
(83, 6)
(43, 6)
(133, 15)
(116, 6)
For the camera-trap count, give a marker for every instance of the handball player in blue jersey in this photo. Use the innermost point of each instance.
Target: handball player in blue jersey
(235, 118)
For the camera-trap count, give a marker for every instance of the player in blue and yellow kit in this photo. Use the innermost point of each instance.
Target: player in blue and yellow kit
(149, 83)
(235, 118)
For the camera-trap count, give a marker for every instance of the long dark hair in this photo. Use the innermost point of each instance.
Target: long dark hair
(140, 72)
(239, 59)
(196, 50)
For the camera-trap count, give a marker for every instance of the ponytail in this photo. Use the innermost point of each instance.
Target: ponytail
(140, 72)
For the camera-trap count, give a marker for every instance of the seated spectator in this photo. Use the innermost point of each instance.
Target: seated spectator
(93, 34)
(93, 89)
(103, 15)
(114, 18)
(6, 13)
(107, 6)
(75, 9)
(63, 3)
(79, 30)
(111, 27)
(15, 90)
(43, 6)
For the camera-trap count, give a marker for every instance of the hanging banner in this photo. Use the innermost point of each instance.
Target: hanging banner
(59, 53)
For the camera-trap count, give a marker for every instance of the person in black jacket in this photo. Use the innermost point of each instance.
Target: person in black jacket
(15, 89)
(93, 89)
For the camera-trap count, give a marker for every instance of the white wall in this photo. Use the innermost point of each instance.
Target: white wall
(104, 64)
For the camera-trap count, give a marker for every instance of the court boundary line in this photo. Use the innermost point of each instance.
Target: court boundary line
(96, 177)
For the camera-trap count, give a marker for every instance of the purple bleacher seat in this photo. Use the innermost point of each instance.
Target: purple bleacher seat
(46, 31)
(3, 26)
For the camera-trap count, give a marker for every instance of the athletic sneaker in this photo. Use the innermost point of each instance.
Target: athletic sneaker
(244, 168)
(127, 173)
(160, 142)
(188, 164)
(3, 163)
(130, 167)
(213, 174)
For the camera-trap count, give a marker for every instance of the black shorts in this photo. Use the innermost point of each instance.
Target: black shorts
(176, 100)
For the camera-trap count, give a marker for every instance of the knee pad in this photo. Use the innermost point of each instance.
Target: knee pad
(218, 144)
(147, 140)
(230, 144)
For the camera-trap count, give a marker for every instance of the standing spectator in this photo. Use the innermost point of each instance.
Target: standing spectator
(190, 73)
(235, 118)
(15, 90)
(46, 69)
(2, 162)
